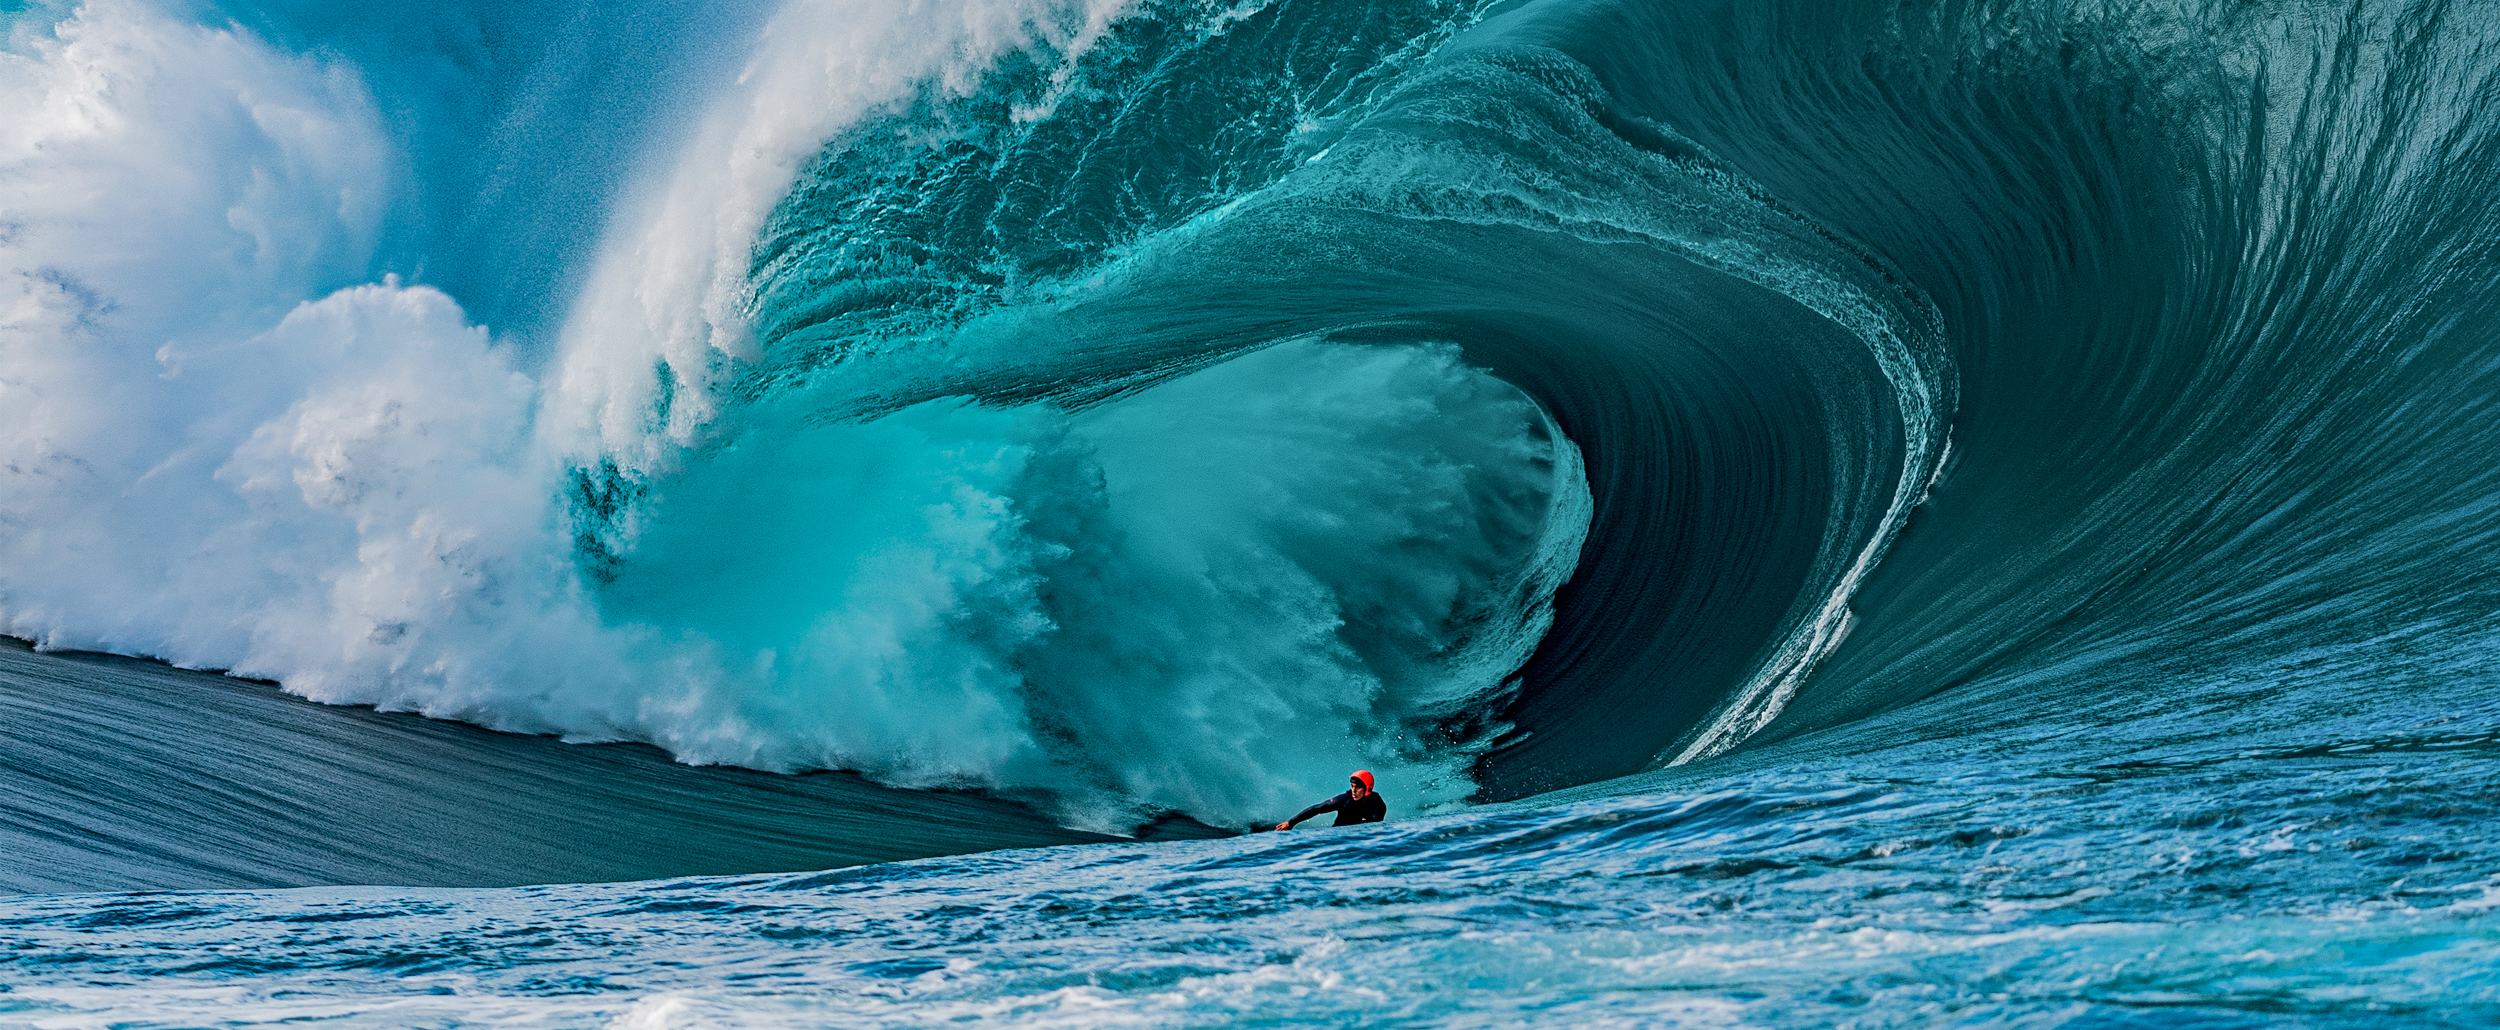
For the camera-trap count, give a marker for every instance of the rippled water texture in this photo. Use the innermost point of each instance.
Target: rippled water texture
(2048, 882)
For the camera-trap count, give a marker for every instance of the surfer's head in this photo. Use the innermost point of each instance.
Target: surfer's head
(1360, 783)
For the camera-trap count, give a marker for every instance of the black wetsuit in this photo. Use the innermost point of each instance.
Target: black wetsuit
(1349, 811)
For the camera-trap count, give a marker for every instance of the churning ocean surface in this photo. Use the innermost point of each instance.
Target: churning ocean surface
(835, 513)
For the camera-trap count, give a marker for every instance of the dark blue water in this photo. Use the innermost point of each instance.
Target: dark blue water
(251, 788)
(1966, 514)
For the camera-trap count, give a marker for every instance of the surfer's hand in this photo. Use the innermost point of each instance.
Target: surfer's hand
(1284, 826)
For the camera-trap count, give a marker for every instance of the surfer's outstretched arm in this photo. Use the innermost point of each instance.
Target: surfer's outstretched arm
(1330, 805)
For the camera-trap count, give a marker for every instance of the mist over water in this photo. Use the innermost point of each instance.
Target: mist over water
(1985, 512)
(1200, 596)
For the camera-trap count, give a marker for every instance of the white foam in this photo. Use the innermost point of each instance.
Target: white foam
(168, 193)
(204, 465)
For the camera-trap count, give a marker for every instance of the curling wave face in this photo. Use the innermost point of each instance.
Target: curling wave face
(1070, 235)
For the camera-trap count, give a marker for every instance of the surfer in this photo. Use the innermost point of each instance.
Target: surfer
(1359, 804)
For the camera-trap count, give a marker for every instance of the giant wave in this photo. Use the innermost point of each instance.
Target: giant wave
(1150, 410)
(833, 466)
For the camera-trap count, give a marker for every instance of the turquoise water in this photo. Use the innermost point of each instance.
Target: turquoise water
(1864, 513)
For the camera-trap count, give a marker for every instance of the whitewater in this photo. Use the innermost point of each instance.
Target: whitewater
(1872, 514)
